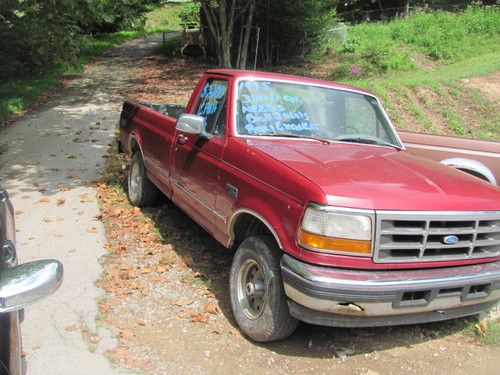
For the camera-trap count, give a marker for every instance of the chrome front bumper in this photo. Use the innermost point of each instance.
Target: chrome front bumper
(348, 298)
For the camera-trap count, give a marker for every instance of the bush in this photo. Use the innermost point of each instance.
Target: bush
(36, 35)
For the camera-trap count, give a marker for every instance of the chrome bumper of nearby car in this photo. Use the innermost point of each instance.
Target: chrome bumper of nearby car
(342, 297)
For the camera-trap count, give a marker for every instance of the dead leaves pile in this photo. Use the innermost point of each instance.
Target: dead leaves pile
(138, 260)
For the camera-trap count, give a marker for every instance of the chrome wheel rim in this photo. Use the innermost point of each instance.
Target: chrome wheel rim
(135, 179)
(251, 289)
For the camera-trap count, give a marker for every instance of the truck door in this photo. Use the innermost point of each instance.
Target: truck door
(196, 159)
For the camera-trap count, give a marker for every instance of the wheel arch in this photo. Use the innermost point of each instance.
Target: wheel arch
(472, 167)
(245, 222)
(134, 144)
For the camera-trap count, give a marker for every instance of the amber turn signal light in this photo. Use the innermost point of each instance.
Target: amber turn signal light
(315, 241)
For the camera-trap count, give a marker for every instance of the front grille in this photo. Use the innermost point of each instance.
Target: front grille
(402, 236)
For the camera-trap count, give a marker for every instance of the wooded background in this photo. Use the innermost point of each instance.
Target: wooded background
(37, 35)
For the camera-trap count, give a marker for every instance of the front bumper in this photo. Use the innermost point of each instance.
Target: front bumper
(354, 298)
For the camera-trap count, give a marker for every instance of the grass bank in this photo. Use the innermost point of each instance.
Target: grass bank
(424, 68)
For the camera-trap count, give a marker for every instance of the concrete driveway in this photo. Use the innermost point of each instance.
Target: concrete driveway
(48, 162)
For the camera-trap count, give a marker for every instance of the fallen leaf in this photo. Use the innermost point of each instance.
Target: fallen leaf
(121, 353)
(60, 202)
(47, 219)
(157, 278)
(71, 327)
(126, 334)
(92, 230)
(482, 327)
(182, 302)
(86, 198)
(162, 268)
(199, 318)
(135, 286)
(211, 309)
(44, 200)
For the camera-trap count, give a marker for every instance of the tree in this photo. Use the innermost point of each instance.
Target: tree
(221, 16)
(284, 25)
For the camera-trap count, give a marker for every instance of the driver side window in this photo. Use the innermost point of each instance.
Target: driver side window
(212, 106)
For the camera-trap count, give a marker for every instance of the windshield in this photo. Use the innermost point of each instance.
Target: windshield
(268, 108)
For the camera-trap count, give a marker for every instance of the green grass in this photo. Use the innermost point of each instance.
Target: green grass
(453, 100)
(425, 39)
(492, 336)
(166, 18)
(17, 95)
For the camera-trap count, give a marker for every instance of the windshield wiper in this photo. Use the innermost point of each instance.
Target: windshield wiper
(367, 141)
(290, 135)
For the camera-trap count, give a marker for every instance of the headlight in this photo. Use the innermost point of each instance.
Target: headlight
(338, 230)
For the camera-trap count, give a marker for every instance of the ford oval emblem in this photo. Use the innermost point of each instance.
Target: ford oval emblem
(450, 240)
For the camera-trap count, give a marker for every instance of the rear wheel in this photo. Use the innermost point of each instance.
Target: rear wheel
(256, 289)
(141, 191)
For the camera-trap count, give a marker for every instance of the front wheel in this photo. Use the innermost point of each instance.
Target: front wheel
(256, 289)
(141, 191)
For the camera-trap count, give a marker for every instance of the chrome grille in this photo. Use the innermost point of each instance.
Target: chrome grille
(402, 236)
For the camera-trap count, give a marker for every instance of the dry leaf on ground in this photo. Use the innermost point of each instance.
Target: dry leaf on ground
(199, 318)
(212, 309)
(86, 198)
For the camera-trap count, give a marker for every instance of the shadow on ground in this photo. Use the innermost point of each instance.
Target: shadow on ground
(212, 261)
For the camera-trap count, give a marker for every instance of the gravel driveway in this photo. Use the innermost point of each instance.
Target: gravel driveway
(48, 163)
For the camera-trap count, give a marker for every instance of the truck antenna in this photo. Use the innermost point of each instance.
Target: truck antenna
(256, 49)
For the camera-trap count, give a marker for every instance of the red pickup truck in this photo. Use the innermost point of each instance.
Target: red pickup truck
(333, 221)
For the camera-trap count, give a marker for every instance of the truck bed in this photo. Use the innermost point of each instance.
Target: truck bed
(172, 110)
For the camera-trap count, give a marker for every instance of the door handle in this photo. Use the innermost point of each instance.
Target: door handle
(182, 139)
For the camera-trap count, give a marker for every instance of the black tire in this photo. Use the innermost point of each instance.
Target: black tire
(256, 270)
(141, 191)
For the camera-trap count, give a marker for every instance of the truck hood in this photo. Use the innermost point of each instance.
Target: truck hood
(383, 178)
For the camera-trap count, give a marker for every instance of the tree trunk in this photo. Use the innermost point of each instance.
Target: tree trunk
(221, 26)
(246, 38)
(407, 8)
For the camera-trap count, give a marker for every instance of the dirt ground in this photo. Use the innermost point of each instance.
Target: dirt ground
(166, 283)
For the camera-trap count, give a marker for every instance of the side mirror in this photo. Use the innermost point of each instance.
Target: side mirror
(29, 282)
(192, 124)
